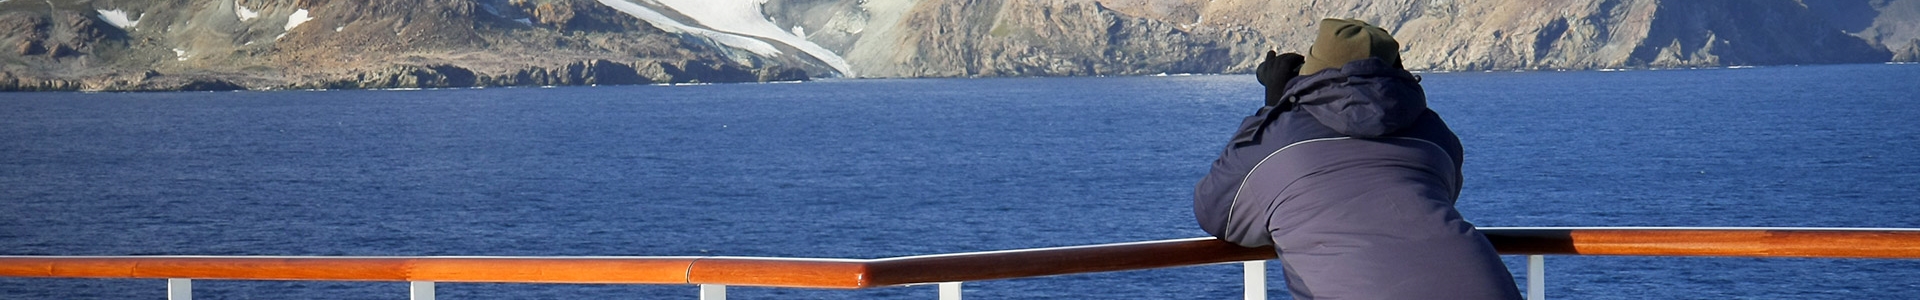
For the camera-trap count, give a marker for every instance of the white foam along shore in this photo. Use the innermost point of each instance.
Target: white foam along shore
(659, 20)
(118, 18)
(744, 17)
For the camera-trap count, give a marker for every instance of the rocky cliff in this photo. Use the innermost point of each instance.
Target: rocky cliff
(959, 38)
(343, 44)
(328, 44)
(1067, 37)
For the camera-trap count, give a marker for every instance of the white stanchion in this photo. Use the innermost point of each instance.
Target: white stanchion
(713, 292)
(179, 289)
(420, 290)
(1255, 279)
(949, 291)
(1536, 277)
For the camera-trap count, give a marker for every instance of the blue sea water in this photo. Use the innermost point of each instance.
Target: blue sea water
(882, 168)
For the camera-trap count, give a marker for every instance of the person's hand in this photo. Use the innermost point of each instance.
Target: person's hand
(1275, 71)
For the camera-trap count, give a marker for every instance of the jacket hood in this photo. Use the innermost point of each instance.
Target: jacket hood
(1364, 98)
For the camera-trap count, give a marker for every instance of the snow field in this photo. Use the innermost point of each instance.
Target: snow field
(744, 43)
(745, 17)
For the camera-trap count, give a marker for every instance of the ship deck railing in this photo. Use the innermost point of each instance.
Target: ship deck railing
(947, 271)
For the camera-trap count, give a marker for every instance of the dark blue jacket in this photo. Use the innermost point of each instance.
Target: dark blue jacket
(1366, 100)
(1354, 185)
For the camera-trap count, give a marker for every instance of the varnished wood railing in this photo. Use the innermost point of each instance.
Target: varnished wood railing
(1725, 242)
(866, 273)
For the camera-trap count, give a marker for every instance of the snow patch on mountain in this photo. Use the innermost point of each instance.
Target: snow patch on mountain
(244, 13)
(118, 18)
(298, 17)
(294, 20)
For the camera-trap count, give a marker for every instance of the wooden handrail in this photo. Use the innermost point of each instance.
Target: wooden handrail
(632, 270)
(866, 273)
(1705, 241)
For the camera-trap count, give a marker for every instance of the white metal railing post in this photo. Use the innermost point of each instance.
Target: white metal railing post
(179, 289)
(1536, 277)
(950, 290)
(1255, 279)
(420, 290)
(713, 292)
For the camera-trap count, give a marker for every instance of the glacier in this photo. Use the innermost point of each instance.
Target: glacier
(745, 17)
(659, 20)
(741, 19)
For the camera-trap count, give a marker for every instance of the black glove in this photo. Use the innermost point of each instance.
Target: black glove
(1276, 71)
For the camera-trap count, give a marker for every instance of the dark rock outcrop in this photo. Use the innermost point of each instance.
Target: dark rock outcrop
(208, 84)
(594, 72)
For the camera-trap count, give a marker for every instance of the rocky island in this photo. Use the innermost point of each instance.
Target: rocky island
(153, 45)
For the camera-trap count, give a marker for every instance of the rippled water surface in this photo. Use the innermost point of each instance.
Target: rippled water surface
(881, 168)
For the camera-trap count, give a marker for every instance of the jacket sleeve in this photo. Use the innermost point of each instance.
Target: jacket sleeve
(1213, 196)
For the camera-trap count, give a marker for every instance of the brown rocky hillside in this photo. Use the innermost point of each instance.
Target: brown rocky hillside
(349, 44)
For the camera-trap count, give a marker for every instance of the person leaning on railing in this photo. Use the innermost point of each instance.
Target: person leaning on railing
(1351, 178)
